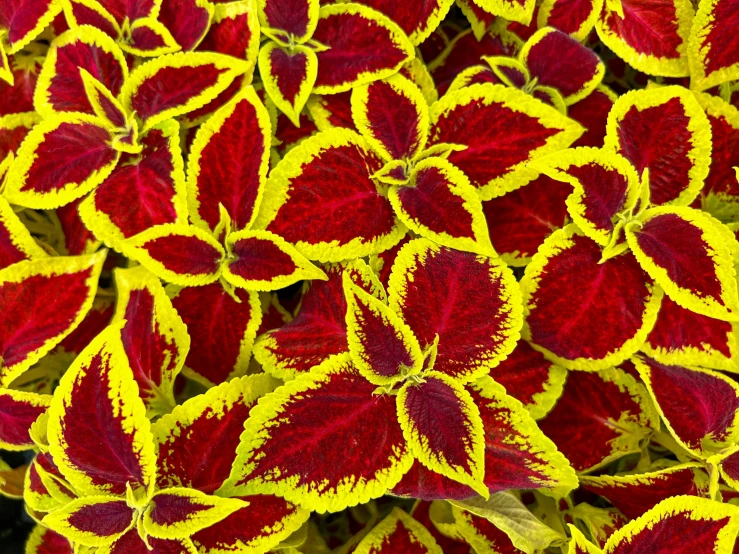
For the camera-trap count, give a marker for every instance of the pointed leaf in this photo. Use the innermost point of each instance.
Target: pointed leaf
(222, 328)
(531, 379)
(635, 494)
(398, 533)
(469, 302)
(228, 163)
(321, 199)
(234, 30)
(663, 131)
(60, 87)
(652, 37)
(187, 20)
(178, 83)
(381, 344)
(13, 130)
(180, 254)
(443, 428)
(178, 512)
(502, 129)
(605, 184)
(24, 21)
(265, 522)
(45, 541)
(575, 17)
(559, 61)
(689, 255)
(16, 242)
(294, 17)
(312, 418)
(679, 525)
(149, 38)
(712, 48)
(288, 77)
(261, 260)
(18, 410)
(154, 337)
(698, 406)
(42, 301)
(363, 46)
(90, 13)
(682, 337)
(318, 331)
(103, 102)
(98, 431)
(44, 488)
(440, 204)
(153, 186)
(581, 313)
(393, 117)
(187, 454)
(579, 544)
(600, 417)
(92, 520)
(61, 159)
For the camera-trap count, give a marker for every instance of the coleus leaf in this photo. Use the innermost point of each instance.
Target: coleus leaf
(481, 534)
(178, 512)
(13, 130)
(600, 523)
(21, 22)
(321, 199)
(288, 76)
(45, 541)
(11, 480)
(331, 110)
(440, 204)
(579, 544)
(228, 163)
(398, 533)
(600, 417)
(381, 345)
(712, 48)
(92, 520)
(106, 106)
(468, 303)
(443, 428)
(363, 46)
(517, 454)
(652, 37)
(664, 131)
(318, 331)
(44, 487)
(698, 406)
(262, 261)
(121, 10)
(393, 116)
(635, 494)
(294, 17)
(63, 158)
(60, 87)
(605, 185)
(502, 129)
(98, 432)
(108, 18)
(678, 525)
(305, 420)
(683, 337)
(418, 22)
(592, 113)
(175, 84)
(181, 254)
(720, 193)
(569, 326)
(519, 221)
(16, 242)
(421, 512)
(530, 378)
(574, 17)
(234, 30)
(43, 301)
(18, 410)
(147, 37)
(520, 11)
(131, 543)
(559, 61)
(689, 255)
(187, 20)
(222, 328)
(153, 184)
(154, 337)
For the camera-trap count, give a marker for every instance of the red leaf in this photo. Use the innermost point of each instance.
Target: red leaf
(18, 410)
(187, 20)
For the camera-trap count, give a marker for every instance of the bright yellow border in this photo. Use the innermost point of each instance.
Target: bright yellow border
(484, 95)
(698, 126)
(50, 266)
(557, 242)
(36, 540)
(54, 9)
(582, 33)
(277, 194)
(27, 398)
(158, 28)
(18, 233)
(719, 251)
(58, 521)
(509, 9)
(398, 37)
(702, 25)
(648, 63)
(317, 496)
(313, 9)
(374, 541)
